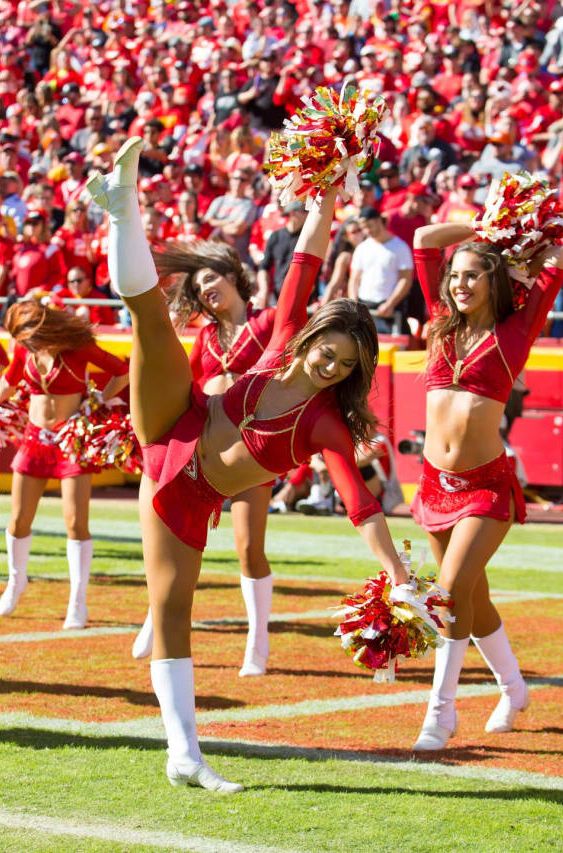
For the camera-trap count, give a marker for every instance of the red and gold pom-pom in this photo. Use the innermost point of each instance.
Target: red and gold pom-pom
(101, 436)
(521, 216)
(383, 623)
(328, 142)
(14, 417)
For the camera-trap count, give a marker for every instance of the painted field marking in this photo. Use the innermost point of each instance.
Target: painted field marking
(210, 624)
(121, 834)
(151, 727)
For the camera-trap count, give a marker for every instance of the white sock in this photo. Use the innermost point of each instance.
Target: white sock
(131, 267)
(79, 555)
(17, 550)
(496, 652)
(257, 596)
(173, 683)
(447, 669)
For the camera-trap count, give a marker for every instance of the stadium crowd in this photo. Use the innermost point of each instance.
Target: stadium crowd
(474, 89)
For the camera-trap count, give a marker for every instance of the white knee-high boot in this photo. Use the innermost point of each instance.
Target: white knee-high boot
(496, 652)
(173, 683)
(440, 721)
(257, 596)
(79, 556)
(142, 647)
(131, 267)
(18, 557)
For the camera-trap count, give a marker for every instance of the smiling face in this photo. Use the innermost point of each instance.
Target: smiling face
(469, 286)
(217, 293)
(331, 359)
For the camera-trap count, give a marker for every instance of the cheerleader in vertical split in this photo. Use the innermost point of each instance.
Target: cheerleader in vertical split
(306, 394)
(52, 352)
(469, 495)
(213, 282)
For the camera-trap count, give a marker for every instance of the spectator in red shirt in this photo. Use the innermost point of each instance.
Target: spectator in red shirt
(70, 115)
(79, 286)
(36, 263)
(393, 191)
(460, 207)
(74, 240)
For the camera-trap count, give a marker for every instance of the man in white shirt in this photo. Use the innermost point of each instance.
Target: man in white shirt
(381, 271)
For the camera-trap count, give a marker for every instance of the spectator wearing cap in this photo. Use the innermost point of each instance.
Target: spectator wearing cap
(93, 132)
(196, 180)
(36, 262)
(70, 114)
(496, 159)
(42, 195)
(72, 187)
(393, 191)
(231, 215)
(79, 286)
(205, 42)
(74, 239)
(381, 272)
(13, 204)
(460, 207)
(371, 77)
(258, 96)
(413, 213)
(278, 253)
(154, 155)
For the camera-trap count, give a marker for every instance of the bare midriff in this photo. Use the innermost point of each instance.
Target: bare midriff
(462, 429)
(225, 460)
(49, 410)
(219, 384)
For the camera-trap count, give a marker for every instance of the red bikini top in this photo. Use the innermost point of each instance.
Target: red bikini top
(491, 368)
(281, 443)
(209, 359)
(68, 374)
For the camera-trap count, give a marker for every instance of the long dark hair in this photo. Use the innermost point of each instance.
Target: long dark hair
(38, 327)
(353, 319)
(186, 261)
(494, 264)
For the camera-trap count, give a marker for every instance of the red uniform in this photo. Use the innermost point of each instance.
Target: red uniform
(39, 455)
(489, 371)
(209, 359)
(277, 444)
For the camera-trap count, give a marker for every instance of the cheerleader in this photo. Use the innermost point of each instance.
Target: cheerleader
(306, 394)
(214, 284)
(52, 351)
(469, 495)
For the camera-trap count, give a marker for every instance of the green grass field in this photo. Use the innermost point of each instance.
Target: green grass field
(322, 751)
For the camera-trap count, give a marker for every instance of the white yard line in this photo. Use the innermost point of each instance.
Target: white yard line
(118, 833)
(151, 727)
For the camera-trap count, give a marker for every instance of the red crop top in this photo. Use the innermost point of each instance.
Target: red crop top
(491, 368)
(209, 359)
(314, 426)
(68, 374)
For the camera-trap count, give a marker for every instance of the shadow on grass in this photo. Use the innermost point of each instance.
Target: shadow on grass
(133, 697)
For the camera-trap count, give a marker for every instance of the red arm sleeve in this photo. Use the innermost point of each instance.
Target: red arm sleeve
(4, 360)
(333, 440)
(291, 310)
(14, 373)
(428, 263)
(105, 360)
(541, 298)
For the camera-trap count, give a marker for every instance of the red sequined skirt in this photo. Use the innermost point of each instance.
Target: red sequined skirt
(185, 501)
(445, 497)
(39, 456)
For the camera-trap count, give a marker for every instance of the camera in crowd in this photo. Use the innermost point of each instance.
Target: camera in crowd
(413, 446)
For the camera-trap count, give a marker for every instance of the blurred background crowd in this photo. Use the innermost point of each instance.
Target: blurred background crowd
(474, 89)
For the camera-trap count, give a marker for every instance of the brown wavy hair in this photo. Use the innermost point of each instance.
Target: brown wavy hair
(353, 319)
(494, 264)
(185, 261)
(38, 327)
